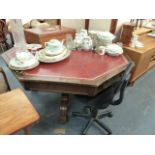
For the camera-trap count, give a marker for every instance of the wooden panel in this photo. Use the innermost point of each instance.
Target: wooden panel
(31, 38)
(113, 25)
(87, 24)
(69, 88)
(126, 35)
(16, 112)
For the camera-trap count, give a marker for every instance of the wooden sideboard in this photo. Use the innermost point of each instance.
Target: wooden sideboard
(144, 58)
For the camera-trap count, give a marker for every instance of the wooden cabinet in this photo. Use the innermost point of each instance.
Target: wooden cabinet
(40, 35)
(144, 58)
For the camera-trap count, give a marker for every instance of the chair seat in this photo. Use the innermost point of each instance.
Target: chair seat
(98, 101)
(16, 112)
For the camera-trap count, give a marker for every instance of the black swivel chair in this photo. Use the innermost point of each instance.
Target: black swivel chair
(113, 95)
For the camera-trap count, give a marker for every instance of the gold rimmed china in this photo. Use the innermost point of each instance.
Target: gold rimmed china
(43, 57)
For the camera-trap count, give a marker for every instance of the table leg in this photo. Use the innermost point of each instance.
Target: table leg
(63, 117)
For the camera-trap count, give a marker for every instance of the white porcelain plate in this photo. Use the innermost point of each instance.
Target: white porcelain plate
(42, 57)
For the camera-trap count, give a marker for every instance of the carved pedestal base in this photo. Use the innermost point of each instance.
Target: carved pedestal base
(63, 117)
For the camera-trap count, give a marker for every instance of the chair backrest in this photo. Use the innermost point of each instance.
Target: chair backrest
(114, 94)
(122, 84)
(2, 28)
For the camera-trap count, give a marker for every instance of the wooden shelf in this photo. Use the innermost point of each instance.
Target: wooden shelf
(140, 31)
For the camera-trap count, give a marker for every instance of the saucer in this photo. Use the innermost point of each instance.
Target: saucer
(33, 47)
(54, 53)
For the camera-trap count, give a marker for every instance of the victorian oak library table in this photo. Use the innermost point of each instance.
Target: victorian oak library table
(84, 73)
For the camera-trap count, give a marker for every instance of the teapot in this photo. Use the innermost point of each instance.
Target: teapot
(77, 41)
(87, 43)
(83, 33)
(54, 45)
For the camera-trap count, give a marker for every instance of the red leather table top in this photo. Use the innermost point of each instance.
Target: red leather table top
(80, 68)
(80, 65)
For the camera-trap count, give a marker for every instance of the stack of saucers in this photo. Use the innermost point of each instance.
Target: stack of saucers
(114, 50)
(105, 38)
(23, 61)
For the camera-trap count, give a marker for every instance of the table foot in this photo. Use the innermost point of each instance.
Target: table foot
(63, 117)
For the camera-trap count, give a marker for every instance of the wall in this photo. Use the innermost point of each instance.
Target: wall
(73, 23)
(26, 20)
(100, 24)
(94, 24)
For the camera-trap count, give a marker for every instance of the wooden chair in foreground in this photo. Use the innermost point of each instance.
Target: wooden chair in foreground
(16, 111)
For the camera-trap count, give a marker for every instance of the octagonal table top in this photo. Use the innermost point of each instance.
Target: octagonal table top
(82, 67)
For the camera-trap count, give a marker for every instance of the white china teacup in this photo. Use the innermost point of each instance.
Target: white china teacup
(53, 45)
(101, 50)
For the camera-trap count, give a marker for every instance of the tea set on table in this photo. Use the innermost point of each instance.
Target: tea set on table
(55, 50)
(98, 41)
